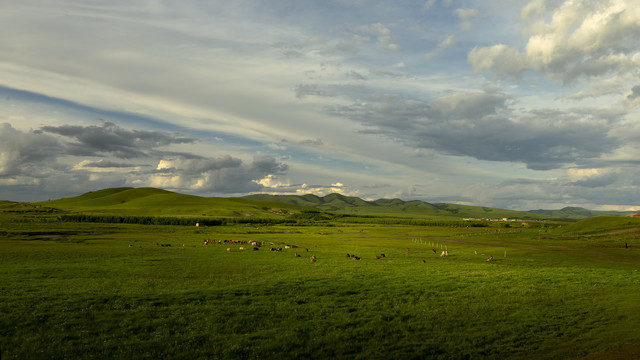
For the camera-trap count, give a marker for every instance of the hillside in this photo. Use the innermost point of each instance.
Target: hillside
(571, 212)
(156, 202)
(602, 225)
(395, 207)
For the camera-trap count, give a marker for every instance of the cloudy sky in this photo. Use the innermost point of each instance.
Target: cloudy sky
(503, 103)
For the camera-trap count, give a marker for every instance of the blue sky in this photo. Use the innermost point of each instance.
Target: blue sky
(512, 104)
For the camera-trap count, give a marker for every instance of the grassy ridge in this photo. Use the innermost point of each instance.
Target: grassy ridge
(155, 202)
(394, 207)
(603, 225)
(151, 201)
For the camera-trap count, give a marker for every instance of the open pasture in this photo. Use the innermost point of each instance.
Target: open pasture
(90, 290)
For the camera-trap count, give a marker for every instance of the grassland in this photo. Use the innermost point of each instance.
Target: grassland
(97, 290)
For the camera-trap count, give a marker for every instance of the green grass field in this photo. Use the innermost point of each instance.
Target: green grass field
(93, 290)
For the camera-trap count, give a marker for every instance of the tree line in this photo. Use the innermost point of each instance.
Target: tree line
(301, 219)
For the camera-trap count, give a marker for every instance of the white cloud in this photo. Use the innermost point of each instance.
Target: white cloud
(272, 181)
(583, 39)
(323, 190)
(103, 166)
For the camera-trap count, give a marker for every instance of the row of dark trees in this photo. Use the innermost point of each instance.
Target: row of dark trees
(155, 220)
(299, 219)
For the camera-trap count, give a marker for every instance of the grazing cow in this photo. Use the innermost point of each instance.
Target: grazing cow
(444, 253)
(490, 258)
(383, 255)
(348, 255)
(243, 248)
(256, 248)
(423, 261)
(434, 251)
(307, 250)
(229, 249)
(139, 247)
(130, 245)
(378, 257)
(476, 252)
(313, 258)
(296, 255)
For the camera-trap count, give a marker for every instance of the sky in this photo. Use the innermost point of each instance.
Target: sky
(512, 104)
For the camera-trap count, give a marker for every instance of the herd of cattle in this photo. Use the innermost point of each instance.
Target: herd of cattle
(259, 244)
(256, 245)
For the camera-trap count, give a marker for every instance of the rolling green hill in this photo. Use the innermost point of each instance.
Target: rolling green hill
(156, 202)
(602, 225)
(395, 207)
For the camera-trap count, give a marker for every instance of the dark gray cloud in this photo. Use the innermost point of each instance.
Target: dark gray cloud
(32, 150)
(264, 165)
(39, 161)
(198, 166)
(222, 175)
(114, 140)
(635, 93)
(482, 125)
(597, 181)
(107, 164)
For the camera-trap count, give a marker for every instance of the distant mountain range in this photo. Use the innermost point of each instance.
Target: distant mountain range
(571, 212)
(394, 207)
(151, 201)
